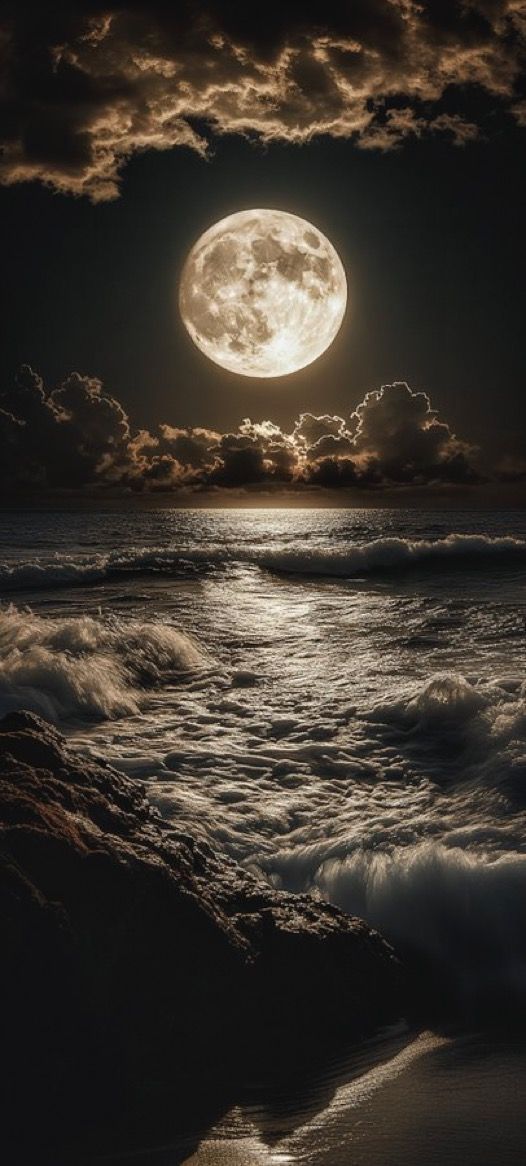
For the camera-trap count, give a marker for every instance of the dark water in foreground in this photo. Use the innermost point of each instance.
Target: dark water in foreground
(435, 1101)
(337, 699)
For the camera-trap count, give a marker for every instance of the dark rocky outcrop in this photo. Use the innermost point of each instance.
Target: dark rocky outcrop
(136, 959)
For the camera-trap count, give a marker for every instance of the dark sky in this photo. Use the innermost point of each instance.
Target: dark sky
(431, 235)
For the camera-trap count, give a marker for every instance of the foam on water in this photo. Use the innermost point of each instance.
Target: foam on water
(363, 738)
(86, 667)
(395, 554)
(466, 914)
(376, 556)
(65, 570)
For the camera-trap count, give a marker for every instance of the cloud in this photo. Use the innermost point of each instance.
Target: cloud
(259, 453)
(511, 469)
(85, 86)
(310, 429)
(78, 437)
(399, 437)
(68, 438)
(193, 448)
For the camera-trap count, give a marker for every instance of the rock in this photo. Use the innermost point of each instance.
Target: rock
(244, 678)
(134, 954)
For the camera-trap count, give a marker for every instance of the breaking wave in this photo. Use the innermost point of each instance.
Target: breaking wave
(459, 731)
(464, 915)
(376, 556)
(444, 877)
(392, 554)
(70, 570)
(85, 667)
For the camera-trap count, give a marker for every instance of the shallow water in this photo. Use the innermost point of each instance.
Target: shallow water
(435, 1102)
(429, 1100)
(336, 698)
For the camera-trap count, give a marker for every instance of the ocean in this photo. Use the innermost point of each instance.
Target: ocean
(335, 698)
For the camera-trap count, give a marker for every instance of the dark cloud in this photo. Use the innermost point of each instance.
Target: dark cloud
(310, 429)
(511, 469)
(399, 438)
(78, 437)
(68, 438)
(259, 453)
(332, 472)
(85, 86)
(193, 448)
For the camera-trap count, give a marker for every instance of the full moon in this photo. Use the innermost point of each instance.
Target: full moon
(263, 293)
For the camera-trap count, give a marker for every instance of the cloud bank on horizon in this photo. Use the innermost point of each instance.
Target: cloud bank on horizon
(78, 438)
(87, 86)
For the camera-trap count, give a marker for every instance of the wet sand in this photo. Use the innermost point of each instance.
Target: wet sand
(435, 1102)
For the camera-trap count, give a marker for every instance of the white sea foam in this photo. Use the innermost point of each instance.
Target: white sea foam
(377, 555)
(63, 570)
(388, 554)
(83, 666)
(466, 914)
(367, 743)
(454, 729)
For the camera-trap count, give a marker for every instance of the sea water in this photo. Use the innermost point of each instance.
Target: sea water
(334, 698)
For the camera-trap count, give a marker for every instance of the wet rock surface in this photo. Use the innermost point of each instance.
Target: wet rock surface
(137, 962)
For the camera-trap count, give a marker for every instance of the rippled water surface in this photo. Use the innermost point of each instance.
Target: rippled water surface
(434, 1102)
(336, 698)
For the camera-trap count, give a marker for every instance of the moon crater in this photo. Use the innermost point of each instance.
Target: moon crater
(263, 293)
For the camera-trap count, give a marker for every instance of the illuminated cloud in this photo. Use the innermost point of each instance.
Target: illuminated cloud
(68, 438)
(399, 438)
(85, 88)
(77, 437)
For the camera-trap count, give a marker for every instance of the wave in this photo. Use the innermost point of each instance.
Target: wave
(70, 570)
(461, 731)
(394, 554)
(463, 915)
(377, 556)
(86, 667)
(444, 877)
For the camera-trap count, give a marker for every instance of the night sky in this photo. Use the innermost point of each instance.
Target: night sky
(431, 233)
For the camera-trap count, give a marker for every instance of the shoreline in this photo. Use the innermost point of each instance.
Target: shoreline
(61, 799)
(140, 963)
(387, 1100)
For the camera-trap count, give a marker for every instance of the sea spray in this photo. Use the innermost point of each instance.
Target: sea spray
(380, 555)
(86, 666)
